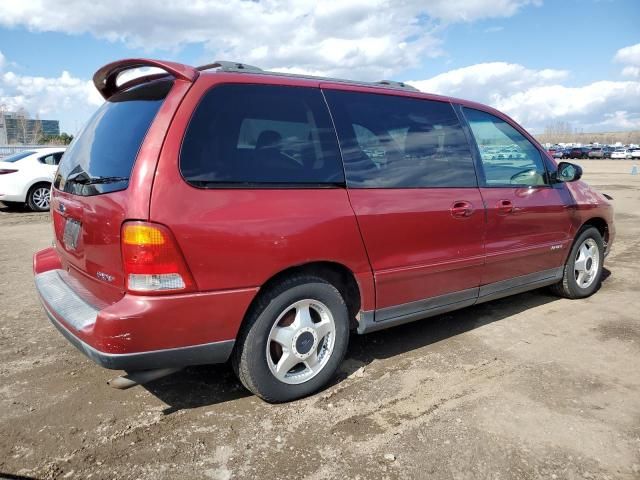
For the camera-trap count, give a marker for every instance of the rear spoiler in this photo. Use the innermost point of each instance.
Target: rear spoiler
(105, 78)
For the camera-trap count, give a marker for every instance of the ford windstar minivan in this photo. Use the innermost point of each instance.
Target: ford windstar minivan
(226, 213)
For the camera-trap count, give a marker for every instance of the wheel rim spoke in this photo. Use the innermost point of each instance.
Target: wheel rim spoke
(323, 329)
(312, 362)
(283, 335)
(303, 317)
(287, 361)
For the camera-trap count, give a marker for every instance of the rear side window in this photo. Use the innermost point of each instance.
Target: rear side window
(261, 135)
(51, 159)
(101, 158)
(508, 158)
(399, 142)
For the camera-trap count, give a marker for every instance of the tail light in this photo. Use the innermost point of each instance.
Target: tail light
(4, 171)
(152, 260)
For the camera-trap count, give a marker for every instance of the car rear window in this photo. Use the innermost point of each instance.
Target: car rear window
(264, 136)
(101, 158)
(16, 156)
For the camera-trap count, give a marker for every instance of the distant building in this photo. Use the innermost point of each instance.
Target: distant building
(18, 129)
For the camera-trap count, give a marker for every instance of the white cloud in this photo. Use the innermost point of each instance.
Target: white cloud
(536, 98)
(629, 55)
(57, 97)
(631, 71)
(468, 11)
(487, 82)
(366, 39)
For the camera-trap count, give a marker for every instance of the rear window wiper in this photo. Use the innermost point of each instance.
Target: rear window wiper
(84, 179)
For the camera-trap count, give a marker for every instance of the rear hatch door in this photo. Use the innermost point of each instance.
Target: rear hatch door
(95, 189)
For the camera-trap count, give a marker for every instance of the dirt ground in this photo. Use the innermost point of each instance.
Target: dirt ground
(530, 386)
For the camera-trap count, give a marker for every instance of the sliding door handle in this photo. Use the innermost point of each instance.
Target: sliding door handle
(461, 209)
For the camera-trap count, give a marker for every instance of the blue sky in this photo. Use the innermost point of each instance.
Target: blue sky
(540, 61)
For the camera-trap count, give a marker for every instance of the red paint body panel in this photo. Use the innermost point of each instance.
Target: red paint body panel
(590, 204)
(416, 247)
(526, 239)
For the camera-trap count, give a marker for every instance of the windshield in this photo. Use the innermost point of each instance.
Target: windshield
(101, 158)
(16, 156)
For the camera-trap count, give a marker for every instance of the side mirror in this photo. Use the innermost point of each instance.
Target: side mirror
(568, 172)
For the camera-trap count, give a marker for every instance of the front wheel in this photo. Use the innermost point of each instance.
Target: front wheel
(38, 197)
(294, 339)
(583, 270)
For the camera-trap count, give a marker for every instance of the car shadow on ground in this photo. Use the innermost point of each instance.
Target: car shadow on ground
(14, 208)
(202, 386)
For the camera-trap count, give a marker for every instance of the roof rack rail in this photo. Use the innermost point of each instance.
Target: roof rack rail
(227, 66)
(393, 83)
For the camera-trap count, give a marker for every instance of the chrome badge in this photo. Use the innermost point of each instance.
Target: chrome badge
(105, 277)
(61, 207)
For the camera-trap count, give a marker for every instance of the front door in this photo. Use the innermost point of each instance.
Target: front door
(412, 185)
(527, 218)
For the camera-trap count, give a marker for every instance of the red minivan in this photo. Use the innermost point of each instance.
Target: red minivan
(228, 213)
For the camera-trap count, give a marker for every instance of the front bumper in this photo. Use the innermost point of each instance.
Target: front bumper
(119, 337)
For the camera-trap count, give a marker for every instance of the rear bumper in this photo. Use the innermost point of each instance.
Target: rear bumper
(7, 197)
(138, 332)
(216, 352)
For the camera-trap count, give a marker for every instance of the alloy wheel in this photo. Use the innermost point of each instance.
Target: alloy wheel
(301, 341)
(587, 263)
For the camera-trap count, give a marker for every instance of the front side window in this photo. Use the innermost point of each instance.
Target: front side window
(390, 141)
(242, 134)
(508, 158)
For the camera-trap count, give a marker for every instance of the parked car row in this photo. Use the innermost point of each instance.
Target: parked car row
(606, 151)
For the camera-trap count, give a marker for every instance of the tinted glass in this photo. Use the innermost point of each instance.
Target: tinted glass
(108, 145)
(16, 156)
(260, 135)
(50, 159)
(508, 158)
(399, 142)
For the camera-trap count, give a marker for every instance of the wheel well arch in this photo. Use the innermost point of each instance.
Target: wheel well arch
(599, 224)
(337, 274)
(38, 182)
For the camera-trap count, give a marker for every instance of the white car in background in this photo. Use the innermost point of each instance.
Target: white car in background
(26, 177)
(621, 153)
(635, 153)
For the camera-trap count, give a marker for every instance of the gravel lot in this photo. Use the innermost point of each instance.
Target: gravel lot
(530, 386)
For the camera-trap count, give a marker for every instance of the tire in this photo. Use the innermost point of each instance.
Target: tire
(38, 197)
(574, 285)
(315, 349)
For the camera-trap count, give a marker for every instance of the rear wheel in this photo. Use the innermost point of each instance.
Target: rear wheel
(583, 270)
(38, 197)
(294, 339)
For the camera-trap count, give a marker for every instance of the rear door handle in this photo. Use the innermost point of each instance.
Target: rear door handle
(504, 207)
(461, 209)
